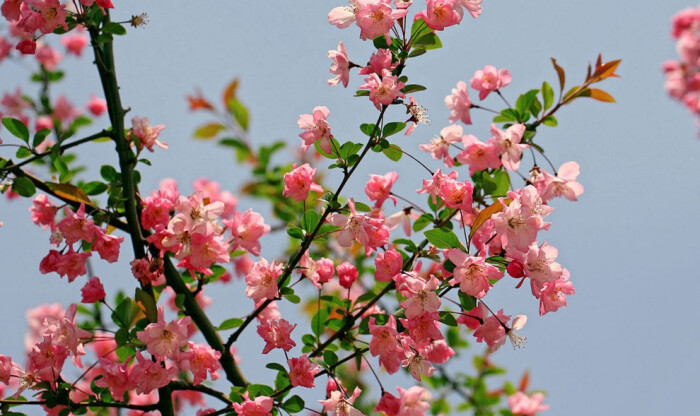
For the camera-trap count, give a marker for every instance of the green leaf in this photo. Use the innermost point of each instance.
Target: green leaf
(109, 174)
(417, 52)
(428, 41)
(294, 404)
(419, 28)
(468, 302)
(23, 186)
(362, 93)
(506, 115)
(422, 222)
(547, 95)
(448, 319)
(394, 152)
(122, 314)
(550, 121)
(368, 128)
(330, 357)
(94, 188)
(230, 323)
(16, 128)
(295, 232)
(359, 206)
(502, 181)
(412, 88)
(104, 38)
(23, 152)
(442, 238)
(276, 366)
(40, 136)
(318, 322)
(310, 220)
(209, 130)
(240, 113)
(147, 304)
(114, 28)
(295, 299)
(392, 128)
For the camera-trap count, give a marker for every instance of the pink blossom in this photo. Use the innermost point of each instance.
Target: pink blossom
(147, 134)
(563, 184)
(93, 291)
(340, 66)
(74, 44)
(14, 104)
(388, 404)
(7, 367)
(473, 7)
(384, 338)
(205, 250)
(162, 339)
(540, 266)
(420, 296)
(276, 334)
(246, 229)
(270, 313)
(148, 375)
(441, 14)
(517, 227)
(378, 188)
(439, 146)
(5, 48)
(43, 212)
(439, 352)
(415, 401)
(417, 365)
(418, 115)
(115, 376)
(302, 372)
(384, 90)
(387, 264)
(459, 104)
(402, 218)
(343, 16)
(48, 57)
(523, 405)
(26, 47)
(378, 62)
(46, 359)
(326, 269)
(317, 128)
(200, 359)
(423, 328)
(65, 111)
(96, 106)
(376, 18)
(11, 9)
(72, 264)
(478, 155)
(75, 226)
(147, 272)
(508, 145)
(490, 79)
(261, 406)
(353, 226)
(432, 186)
(552, 296)
(299, 182)
(261, 280)
(338, 405)
(457, 194)
(347, 274)
(156, 210)
(65, 332)
(107, 246)
(472, 274)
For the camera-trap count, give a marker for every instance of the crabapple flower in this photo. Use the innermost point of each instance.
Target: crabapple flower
(517, 227)
(472, 274)
(378, 188)
(417, 365)
(459, 104)
(48, 57)
(246, 229)
(552, 296)
(93, 291)
(490, 79)
(388, 404)
(200, 359)
(347, 274)
(420, 296)
(384, 338)
(508, 145)
(337, 405)
(74, 44)
(261, 406)
(340, 66)
(162, 339)
(432, 186)
(107, 246)
(540, 266)
(457, 194)
(441, 14)
(563, 184)
(343, 16)
(299, 182)
(43, 213)
(376, 18)
(71, 264)
(146, 133)
(7, 367)
(402, 218)
(387, 264)
(439, 146)
(473, 7)
(378, 62)
(302, 372)
(515, 339)
(383, 90)
(148, 375)
(523, 405)
(75, 226)
(115, 377)
(276, 334)
(478, 155)
(418, 115)
(415, 401)
(96, 106)
(353, 226)
(317, 128)
(261, 280)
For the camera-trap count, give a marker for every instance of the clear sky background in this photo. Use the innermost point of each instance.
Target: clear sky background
(626, 344)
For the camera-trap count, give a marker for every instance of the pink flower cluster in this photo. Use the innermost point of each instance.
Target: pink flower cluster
(74, 228)
(683, 75)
